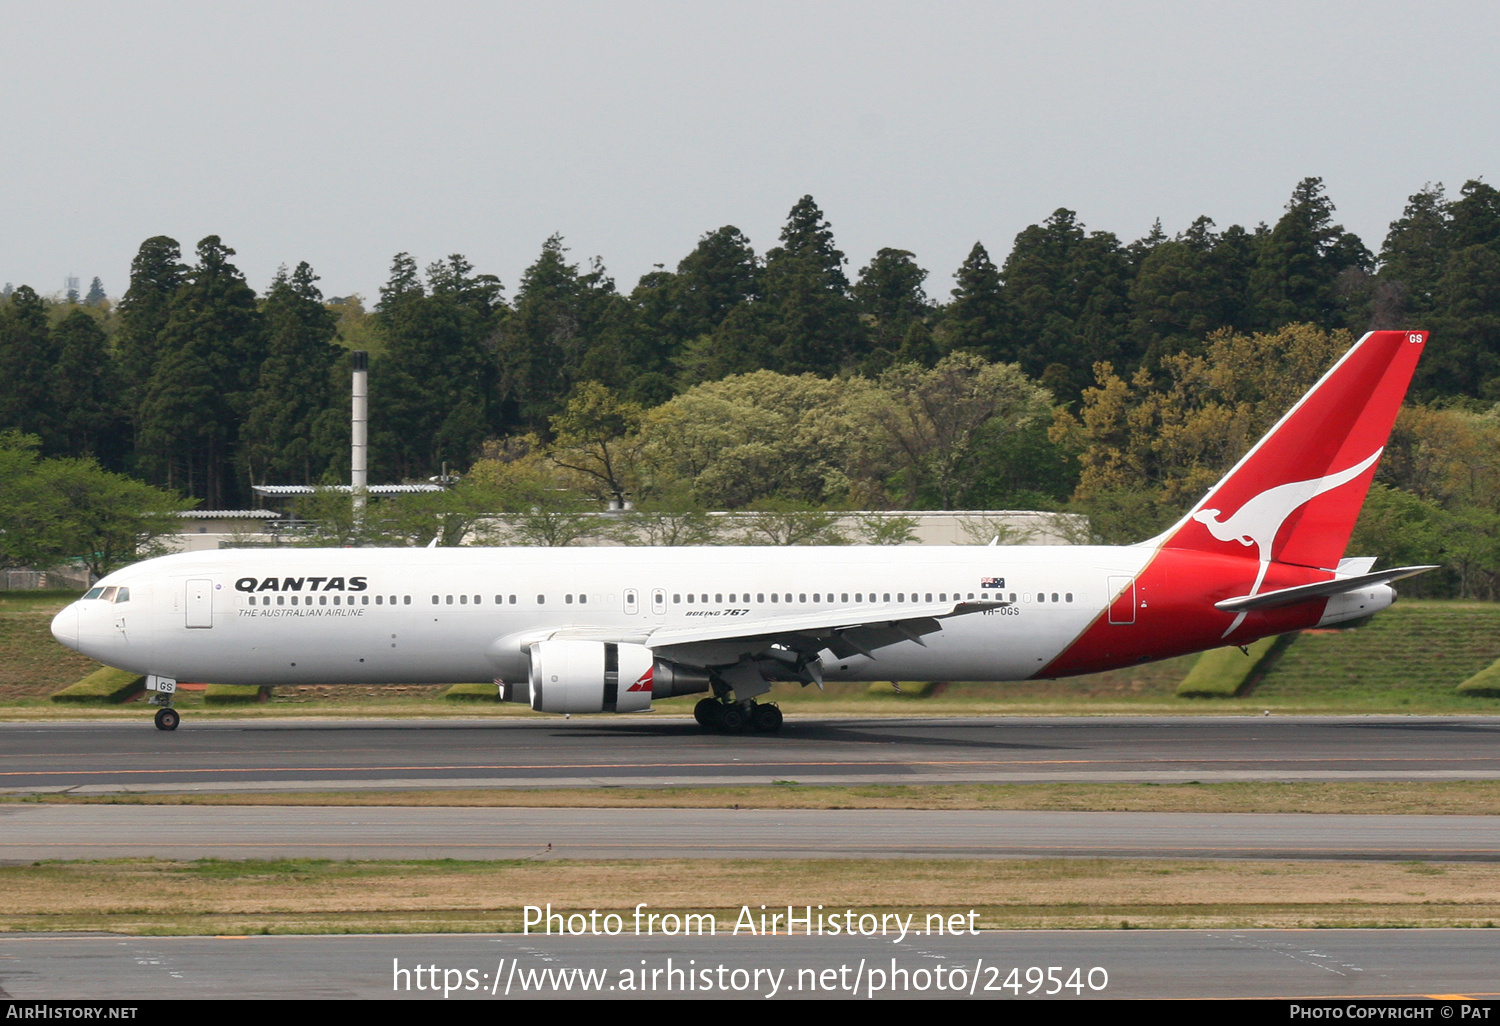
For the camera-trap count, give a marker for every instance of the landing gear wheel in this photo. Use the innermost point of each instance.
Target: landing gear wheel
(706, 712)
(167, 719)
(766, 719)
(731, 719)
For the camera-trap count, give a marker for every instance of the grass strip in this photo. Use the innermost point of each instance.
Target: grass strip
(234, 694)
(1227, 672)
(105, 686)
(472, 693)
(1448, 797)
(1484, 684)
(316, 896)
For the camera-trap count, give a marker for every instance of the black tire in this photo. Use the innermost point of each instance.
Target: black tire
(706, 712)
(731, 719)
(167, 719)
(766, 718)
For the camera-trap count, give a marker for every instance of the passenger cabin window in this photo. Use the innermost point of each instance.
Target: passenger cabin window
(541, 600)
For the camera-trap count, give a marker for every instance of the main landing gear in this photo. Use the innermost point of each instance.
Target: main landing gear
(167, 718)
(734, 717)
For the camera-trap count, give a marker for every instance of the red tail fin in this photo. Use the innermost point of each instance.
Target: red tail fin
(1295, 496)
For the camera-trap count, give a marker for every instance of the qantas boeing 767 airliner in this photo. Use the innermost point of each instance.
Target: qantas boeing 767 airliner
(612, 629)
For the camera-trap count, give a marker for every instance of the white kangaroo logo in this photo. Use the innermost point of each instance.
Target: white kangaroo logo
(1259, 520)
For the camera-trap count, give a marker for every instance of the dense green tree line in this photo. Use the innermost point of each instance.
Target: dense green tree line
(194, 382)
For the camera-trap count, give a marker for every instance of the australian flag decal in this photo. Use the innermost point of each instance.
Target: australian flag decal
(992, 582)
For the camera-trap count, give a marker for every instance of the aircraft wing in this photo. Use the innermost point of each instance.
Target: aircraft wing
(844, 632)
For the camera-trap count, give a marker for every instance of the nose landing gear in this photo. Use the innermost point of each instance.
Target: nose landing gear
(167, 718)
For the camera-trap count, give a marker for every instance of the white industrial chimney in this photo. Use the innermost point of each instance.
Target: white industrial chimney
(359, 429)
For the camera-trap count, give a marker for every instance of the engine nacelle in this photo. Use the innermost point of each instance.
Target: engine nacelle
(1357, 605)
(590, 676)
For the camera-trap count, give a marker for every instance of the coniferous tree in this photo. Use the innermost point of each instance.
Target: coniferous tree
(1466, 309)
(717, 282)
(1066, 291)
(1300, 260)
(719, 274)
(96, 295)
(545, 340)
(975, 319)
(1186, 288)
(295, 427)
(84, 389)
(813, 325)
(889, 298)
(1414, 254)
(436, 377)
(1476, 216)
(156, 273)
(1465, 355)
(28, 354)
(213, 337)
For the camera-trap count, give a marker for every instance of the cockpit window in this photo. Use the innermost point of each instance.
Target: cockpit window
(93, 593)
(109, 594)
(123, 595)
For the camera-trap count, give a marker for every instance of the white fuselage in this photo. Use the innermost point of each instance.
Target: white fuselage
(304, 616)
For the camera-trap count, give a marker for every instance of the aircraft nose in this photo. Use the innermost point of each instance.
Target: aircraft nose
(65, 626)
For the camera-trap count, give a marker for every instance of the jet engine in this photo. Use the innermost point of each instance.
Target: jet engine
(599, 676)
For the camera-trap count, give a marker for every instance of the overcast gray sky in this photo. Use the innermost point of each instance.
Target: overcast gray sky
(342, 133)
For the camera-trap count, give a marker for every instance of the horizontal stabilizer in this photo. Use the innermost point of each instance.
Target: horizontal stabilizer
(1322, 589)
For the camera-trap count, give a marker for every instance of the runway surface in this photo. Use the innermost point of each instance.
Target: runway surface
(95, 757)
(1120, 964)
(30, 833)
